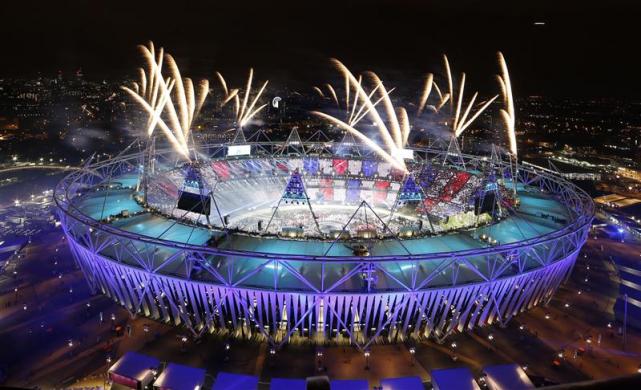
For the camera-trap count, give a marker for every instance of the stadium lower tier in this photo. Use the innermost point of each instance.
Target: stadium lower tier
(282, 316)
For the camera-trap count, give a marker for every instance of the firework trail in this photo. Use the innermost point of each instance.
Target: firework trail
(333, 93)
(507, 114)
(394, 126)
(172, 103)
(459, 110)
(229, 95)
(244, 110)
(389, 110)
(320, 92)
(427, 89)
(394, 139)
(366, 140)
(223, 83)
(450, 84)
(243, 113)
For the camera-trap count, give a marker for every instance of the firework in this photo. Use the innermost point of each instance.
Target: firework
(366, 140)
(320, 92)
(507, 114)
(395, 129)
(246, 110)
(333, 93)
(450, 84)
(172, 100)
(361, 105)
(458, 113)
(427, 89)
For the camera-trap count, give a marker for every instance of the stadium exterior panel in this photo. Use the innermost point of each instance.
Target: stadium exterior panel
(390, 257)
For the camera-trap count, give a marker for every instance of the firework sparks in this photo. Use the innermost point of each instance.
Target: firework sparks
(223, 83)
(394, 139)
(319, 92)
(394, 126)
(247, 110)
(428, 86)
(156, 95)
(229, 95)
(148, 86)
(390, 112)
(450, 84)
(355, 109)
(244, 110)
(459, 110)
(427, 89)
(508, 114)
(333, 93)
(366, 140)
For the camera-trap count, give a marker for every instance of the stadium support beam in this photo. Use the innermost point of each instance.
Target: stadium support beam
(239, 137)
(150, 151)
(318, 136)
(410, 191)
(454, 153)
(348, 145)
(365, 206)
(295, 192)
(258, 136)
(294, 143)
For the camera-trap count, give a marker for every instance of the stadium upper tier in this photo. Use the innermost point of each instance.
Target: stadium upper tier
(539, 215)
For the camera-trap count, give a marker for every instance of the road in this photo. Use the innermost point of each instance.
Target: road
(59, 339)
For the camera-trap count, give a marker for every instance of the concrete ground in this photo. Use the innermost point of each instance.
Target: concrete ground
(51, 334)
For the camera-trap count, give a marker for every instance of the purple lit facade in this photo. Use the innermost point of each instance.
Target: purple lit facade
(289, 296)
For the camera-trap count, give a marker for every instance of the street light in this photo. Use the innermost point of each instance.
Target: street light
(319, 358)
(412, 353)
(366, 353)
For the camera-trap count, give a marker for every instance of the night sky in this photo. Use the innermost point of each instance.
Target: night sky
(584, 49)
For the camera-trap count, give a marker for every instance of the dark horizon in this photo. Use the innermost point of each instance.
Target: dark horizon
(583, 50)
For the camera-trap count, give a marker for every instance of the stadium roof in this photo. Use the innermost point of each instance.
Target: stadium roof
(403, 383)
(229, 381)
(179, 377)
(507, 377)
(459, 378)
(520, 227)
(135, 366)
(349, 384)
(287, 384)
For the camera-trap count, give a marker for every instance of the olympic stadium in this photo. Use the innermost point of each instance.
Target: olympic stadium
(322, 242)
